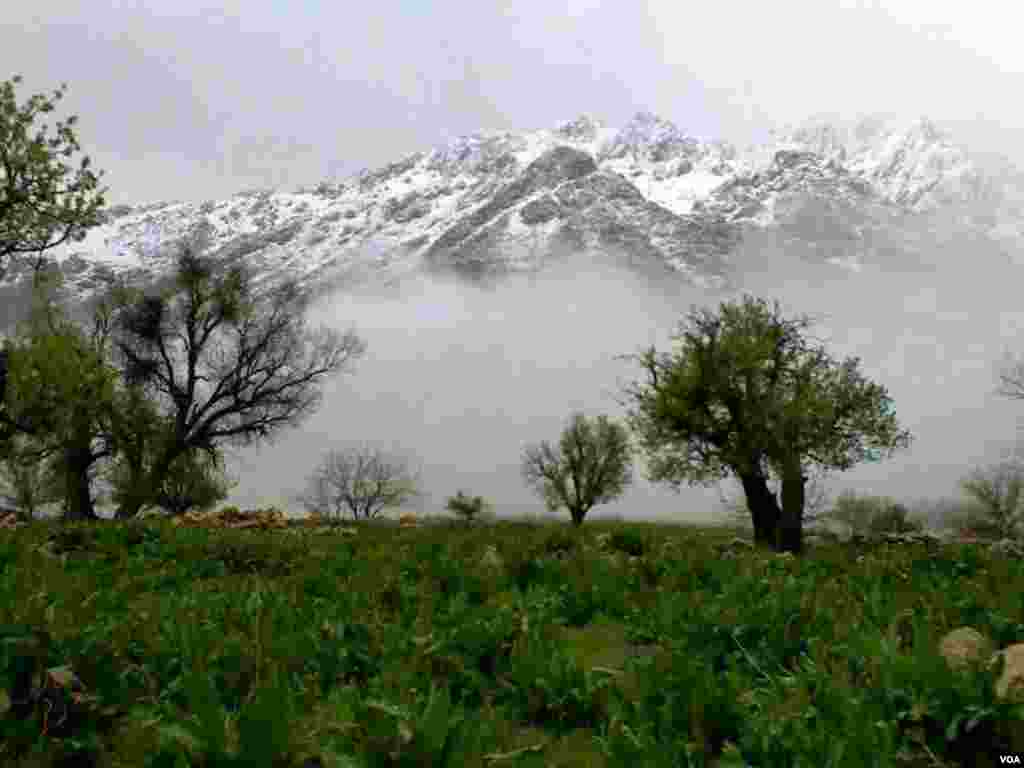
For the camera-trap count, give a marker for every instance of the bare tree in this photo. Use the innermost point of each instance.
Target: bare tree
(261, 379)
(999, 494)
(364, 481)
(592, 465)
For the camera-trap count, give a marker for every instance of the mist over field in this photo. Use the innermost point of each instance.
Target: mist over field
(460, 377)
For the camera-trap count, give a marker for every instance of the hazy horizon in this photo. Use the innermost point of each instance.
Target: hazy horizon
(448, 362)
(198, 101)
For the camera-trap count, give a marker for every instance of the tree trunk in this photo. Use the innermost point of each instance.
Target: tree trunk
(790, 534)
(78, 493)
(764, 508)
(577, 516)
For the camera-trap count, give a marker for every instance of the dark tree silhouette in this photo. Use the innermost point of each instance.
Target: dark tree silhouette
(259, 378)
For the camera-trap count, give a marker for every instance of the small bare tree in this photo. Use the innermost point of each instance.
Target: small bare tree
(592, 465)
(363, 480)
(999, 494)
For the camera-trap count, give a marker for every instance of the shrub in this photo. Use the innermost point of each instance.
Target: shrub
(469, 508)
(628, 542)
(894, 520)
(876, 515)
(559, 541)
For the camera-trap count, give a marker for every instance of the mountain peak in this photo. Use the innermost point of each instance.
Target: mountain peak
(650, 137)
(647, 127)
(584, 128)
(495, 200)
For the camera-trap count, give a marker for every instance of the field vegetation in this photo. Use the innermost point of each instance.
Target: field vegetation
(502, 643)
(343, 640)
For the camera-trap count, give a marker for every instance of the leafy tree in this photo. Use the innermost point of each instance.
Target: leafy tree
(135, 430)
(40, 205)
(27, 481)
(744, 394)
(262, 379)
(59, 393)
(196, 481)
(364, 480)
(591, 465)
(469, 508)
(998, 492)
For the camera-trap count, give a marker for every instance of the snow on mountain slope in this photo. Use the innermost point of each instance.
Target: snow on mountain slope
(494, 202)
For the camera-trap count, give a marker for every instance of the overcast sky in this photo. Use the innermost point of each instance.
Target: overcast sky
(182, 100)
(187, 101)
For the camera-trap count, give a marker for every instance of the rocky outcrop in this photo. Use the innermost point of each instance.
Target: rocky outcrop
(965, 647)
(463, 242)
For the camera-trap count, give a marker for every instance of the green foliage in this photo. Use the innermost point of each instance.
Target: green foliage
(551, 688)
(194, 481)
(560, 541)
(894, 519)
(745, 394)
(62, 394)
(628, 542)
(218, 646)
(26, 479)
(592, 465)
(44, 204)
(872, 515)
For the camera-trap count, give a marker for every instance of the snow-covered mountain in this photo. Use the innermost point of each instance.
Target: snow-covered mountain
(489, 203)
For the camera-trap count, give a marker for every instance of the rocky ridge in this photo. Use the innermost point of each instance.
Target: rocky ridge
(487, 204)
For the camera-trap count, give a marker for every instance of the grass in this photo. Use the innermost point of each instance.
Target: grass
(407, 647)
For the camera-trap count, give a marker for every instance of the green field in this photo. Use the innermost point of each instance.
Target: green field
(511, 644)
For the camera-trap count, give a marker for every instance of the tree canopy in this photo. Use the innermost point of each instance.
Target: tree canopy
(40, 206)
(591, 465)
(745, 394)
(224, 368)
(42, 203)
(60, 397)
